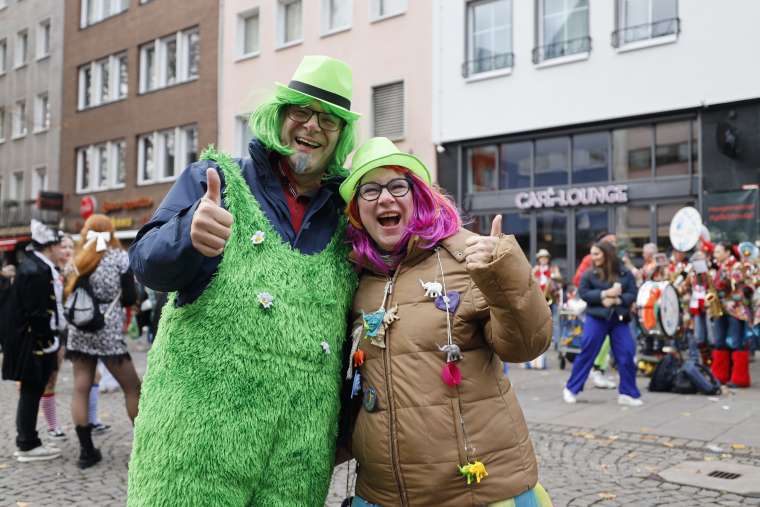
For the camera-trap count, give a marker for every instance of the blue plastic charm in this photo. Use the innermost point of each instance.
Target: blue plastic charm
(370, 399)
(357, 385)
(373, 321)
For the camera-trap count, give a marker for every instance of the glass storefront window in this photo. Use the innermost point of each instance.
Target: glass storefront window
(519, 225)
(514, 165)
(551, 233)
(589, 223)
(590, 157)
(672, 149)
(632, 153)
(482, 175)
(633, 229)
(665, 214)
(552, 162)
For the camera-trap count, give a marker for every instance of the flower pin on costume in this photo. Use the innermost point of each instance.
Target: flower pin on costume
(257, 238)
(474, 472)
(265, 299)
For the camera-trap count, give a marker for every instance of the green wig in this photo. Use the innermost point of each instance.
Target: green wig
(266, 122)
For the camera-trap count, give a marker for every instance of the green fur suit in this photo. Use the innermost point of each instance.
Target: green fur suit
(240, 403)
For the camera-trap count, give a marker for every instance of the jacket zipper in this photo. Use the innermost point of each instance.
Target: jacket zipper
(391, 409)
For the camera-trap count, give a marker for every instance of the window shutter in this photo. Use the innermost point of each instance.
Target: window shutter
(388, 108)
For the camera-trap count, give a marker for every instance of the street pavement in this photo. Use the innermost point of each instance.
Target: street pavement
(592, 453)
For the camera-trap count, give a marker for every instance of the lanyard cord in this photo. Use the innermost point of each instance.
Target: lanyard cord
(445, 298)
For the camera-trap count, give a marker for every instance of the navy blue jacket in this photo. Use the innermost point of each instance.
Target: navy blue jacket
(162, 256)
(591, 289)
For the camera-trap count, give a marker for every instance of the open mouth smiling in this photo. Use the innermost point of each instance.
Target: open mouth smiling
(389, 219)
(308, 143)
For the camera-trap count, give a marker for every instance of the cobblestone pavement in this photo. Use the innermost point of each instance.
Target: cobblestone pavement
(578, 466)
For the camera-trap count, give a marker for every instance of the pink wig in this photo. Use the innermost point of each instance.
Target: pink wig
(434, 217)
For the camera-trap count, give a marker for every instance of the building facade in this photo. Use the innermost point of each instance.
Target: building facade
(31, 56)
(387, 43)
(576, 117)
(139, 102)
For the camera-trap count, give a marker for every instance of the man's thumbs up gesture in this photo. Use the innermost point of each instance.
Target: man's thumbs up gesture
(211, 226)
(479, 251)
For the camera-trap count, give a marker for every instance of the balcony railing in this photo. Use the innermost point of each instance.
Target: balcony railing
(646, 31)
(488, 64)
(561, 48)
(20, 213)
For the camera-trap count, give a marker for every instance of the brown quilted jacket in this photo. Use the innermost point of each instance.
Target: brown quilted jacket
(410, 445)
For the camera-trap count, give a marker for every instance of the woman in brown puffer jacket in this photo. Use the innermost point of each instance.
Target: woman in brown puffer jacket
(437, 311)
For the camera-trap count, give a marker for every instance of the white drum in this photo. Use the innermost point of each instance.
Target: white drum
(659, 309)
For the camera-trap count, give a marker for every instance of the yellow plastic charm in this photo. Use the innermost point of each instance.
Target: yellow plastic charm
(474, 471)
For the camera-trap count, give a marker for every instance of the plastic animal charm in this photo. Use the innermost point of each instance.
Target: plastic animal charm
(391, 316)
(474, 472)
(432, 289)
(453, 353)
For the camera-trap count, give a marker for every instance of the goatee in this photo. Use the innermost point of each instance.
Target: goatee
(300, 163)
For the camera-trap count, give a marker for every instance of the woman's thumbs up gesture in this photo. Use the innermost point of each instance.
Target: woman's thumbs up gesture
(212, 224)
(479, 251)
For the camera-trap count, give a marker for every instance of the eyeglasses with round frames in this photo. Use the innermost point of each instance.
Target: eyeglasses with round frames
(397, 187)
(326, 121)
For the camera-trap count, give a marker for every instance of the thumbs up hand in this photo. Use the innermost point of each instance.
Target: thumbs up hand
(479, 251)
(212, 224)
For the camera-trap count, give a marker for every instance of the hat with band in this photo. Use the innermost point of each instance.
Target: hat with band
(379, 152)
(327, 80)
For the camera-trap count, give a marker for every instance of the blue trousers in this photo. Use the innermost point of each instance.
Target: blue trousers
(623, 349)
(697, 336)
(730, 333)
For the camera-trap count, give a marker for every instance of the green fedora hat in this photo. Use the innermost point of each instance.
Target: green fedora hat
(325, 79)
(379, 152)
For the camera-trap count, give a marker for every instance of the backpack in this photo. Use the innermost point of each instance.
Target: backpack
(664, 374)
(682, 384)
(82, 308)
(701, 377)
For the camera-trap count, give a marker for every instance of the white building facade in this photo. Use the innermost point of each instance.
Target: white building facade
(387, 43)
(573, 117)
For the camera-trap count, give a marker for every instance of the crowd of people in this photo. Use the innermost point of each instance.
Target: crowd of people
(718, 311)
(317, 314)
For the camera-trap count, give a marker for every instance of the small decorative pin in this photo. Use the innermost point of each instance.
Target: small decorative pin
(325, 347)
(357, 384)
(432, 289)
(257, 238)
(373, 321)
(265, 299)
(453, 301)
(369, 401)
(453, 352)
(474, 472)
(391, 316)
(358, 358)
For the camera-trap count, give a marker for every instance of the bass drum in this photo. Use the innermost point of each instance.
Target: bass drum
(659, 309)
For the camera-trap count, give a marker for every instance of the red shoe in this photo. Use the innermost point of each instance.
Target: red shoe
(721, 364)
(740, 369)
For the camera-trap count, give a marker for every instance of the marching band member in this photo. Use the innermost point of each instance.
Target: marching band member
(548, 276)
(691, 282)
(731, 354)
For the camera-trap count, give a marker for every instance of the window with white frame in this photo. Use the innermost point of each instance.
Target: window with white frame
(101, 166)
(103, 81)
(388, 110)
(641, 20)
(3, 55)
(169, 60)
(336, 15)
(41, 112)
(289, 22)
(17, 186)
(489, 36)
(248, 33)
(384, 8)
(19, 119)
(563, 29)
(43, 39)
(22, 48)
(95, 11)
(162, 155)
(2, 124)
(39, 181)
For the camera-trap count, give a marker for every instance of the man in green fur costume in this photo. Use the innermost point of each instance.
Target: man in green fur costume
(240, 402)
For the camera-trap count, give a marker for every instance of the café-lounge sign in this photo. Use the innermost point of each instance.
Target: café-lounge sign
(574, 196)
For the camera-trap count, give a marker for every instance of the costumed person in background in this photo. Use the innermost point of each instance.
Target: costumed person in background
(692, 283)
(7, 274)
(31, 346)
(610, 290)
(255, 251)
(63, 254)
(602, 360)
(549, 281)
(102, 267)
(437, 310)
(730, 362)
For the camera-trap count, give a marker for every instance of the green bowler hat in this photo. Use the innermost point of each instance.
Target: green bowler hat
(327, 80)
(379, 152)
